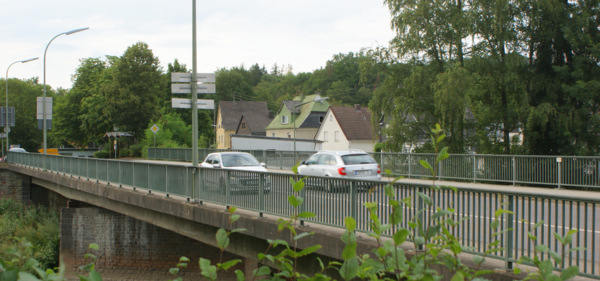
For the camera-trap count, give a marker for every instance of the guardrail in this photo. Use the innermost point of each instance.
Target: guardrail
(552, 171)
(268, 192)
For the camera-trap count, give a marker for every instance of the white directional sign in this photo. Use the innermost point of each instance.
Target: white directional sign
(187, 88)
(187, 103)
(184, 77)
(40, 109)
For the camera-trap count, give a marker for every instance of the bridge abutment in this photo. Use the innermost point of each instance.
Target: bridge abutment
(130, 249)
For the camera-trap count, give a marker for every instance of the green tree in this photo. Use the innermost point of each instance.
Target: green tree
(22, 95)
(134, 89)
(72, 114)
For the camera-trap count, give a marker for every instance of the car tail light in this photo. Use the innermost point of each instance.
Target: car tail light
(378, 169)
(342, 171)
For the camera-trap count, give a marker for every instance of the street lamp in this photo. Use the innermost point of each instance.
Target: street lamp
(44, 98)
(7, 129)
(320, 100)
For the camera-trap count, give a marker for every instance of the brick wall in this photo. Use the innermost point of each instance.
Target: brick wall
(129, 249)
(14, 185)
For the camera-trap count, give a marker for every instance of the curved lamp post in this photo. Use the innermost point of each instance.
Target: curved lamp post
(44, 98)
(320, 100)
(7, 129)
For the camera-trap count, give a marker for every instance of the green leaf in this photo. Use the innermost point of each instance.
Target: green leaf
(426, 199)
(478, 260)
(174, 270)
(295, 201)
(541, 248)
(306, 215)
(458, 276)
(309, 250)
(569, 273)
(441, 213)
(443, 154)
(349, 269)
(229, 264)
(297, 185)
(350, 223)
(349, 237)
(425, 165)
(209, 271)
(262, 271)
(239, 275)
(349, 251)
(93, 246)
(222, 239)
(400, 236)
(238, 230)
(94, 276)
(302, 235)
(555, 256)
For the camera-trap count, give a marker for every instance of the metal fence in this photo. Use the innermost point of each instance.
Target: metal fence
(552, 171)
(332, 200)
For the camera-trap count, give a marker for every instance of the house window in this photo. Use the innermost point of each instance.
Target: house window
(284, 119)
(243, 125)
(337, 136)
(325, 136)
(330, 117)
(289, 135)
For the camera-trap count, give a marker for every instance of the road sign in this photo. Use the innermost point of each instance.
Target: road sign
(11, 116)
(187, 103)
(40, 109)
(155, 128)
(187, 88)
(184, 77)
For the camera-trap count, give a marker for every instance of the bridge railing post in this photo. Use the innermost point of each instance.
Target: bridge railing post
(510, 226)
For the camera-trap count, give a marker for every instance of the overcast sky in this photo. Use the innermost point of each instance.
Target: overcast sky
(301, 33)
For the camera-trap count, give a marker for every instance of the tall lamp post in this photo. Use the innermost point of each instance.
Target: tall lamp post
(320, 100)
(7, 129)
(44, 98)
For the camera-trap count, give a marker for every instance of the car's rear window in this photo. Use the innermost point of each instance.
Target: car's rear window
(356, 159)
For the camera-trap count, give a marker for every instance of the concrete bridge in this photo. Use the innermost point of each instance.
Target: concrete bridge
(143, 232)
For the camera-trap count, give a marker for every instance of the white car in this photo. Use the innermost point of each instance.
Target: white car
(14, 149)
(238, 163)
(350, 164)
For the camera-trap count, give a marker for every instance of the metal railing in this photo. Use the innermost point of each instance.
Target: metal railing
(550, 171)
(332, 200)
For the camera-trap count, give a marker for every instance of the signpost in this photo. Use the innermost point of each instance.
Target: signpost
(184, 77)
(154, 130)
(187, 103)
(193, 83)
(180, 88)
(41, 111)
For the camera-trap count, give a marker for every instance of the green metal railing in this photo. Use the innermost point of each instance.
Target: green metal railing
(332, 200)
(552, 171)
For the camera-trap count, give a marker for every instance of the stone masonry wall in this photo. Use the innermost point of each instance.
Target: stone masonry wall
(14, 186)
(129, 249)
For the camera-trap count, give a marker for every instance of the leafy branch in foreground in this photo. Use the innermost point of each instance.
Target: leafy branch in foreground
(545, 267)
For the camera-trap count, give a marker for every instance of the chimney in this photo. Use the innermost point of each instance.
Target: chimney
(357, 107)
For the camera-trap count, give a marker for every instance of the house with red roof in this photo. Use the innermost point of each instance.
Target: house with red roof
(345, 128)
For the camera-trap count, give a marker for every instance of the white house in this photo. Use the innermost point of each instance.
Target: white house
(346, 127)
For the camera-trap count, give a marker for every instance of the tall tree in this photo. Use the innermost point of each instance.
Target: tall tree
(72, 114)
(134, 89)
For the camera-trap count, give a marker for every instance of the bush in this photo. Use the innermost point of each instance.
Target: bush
(101, 154)
(34, 226)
